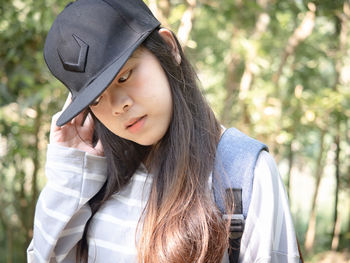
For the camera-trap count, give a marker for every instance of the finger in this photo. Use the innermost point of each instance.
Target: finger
(88, 121)
(68, 101)
(54, 120)
(54, 128)
(79, 119)
(86, 113)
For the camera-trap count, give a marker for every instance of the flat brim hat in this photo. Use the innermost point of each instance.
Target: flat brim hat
(89, 43)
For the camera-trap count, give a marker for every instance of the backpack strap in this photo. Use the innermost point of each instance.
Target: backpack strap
(233, 176)
(237, 223)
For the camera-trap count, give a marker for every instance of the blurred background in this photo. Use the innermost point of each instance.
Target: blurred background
(279, 70)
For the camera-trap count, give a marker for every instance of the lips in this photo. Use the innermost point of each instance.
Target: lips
(132, 122)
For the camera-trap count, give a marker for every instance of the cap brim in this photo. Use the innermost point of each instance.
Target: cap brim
(88, 94)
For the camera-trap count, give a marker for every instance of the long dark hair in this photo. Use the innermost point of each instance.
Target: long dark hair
(180, 222)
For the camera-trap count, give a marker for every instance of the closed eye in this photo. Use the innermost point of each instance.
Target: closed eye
(125, 77)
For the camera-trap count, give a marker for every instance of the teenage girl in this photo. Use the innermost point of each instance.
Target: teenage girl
(130, 160)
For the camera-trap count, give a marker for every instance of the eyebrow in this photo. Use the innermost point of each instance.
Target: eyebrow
(137, 53)
(126, 65)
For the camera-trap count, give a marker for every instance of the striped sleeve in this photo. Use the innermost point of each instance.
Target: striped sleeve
(73, 177)
(269, 234)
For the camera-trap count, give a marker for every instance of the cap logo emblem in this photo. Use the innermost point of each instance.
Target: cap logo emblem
(80, 65)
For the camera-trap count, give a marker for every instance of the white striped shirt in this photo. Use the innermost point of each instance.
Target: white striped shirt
(75, 176)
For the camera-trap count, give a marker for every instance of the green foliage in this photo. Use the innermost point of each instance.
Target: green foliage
(310, 97)
(28, 98)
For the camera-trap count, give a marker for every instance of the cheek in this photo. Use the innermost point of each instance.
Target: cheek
(167, 95)
(157, 87)
(103, 118)
(145, 87)
(98, 113)
(151, 82)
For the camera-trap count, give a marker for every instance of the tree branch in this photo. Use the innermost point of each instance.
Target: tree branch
(185, 28)
(303, 31)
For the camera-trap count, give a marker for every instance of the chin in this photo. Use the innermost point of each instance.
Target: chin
(149, 140)
(146, 142)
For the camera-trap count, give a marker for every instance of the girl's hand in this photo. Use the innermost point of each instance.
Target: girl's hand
(75, 134)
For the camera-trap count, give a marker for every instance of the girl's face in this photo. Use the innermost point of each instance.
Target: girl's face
(137, 105)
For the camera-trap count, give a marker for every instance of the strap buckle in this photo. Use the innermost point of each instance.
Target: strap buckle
(237, 223)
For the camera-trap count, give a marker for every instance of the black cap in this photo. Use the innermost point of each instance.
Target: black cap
(88, 44)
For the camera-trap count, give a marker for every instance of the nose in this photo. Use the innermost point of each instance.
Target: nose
(121, 102)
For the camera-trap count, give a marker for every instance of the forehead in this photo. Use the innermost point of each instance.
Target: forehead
(136, 57)
(137, 53)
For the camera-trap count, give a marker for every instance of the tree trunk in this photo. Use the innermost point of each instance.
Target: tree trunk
(341, 19)
(9, 237)
(347, 139)
(247, 77)
(159, 13)
(6, 231)
(185, 27)
(290, 167)
(231, 86)
(164, 5)
(336, 232)
(311, 230)
(336, 221)
(300, 34)
(260, 27)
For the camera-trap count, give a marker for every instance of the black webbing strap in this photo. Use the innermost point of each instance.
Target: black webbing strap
(234, 196)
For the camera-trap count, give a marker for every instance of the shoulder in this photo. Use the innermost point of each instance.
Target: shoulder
(265, 165)
(269, 194)
(235, 162)
(239, 151)
(268, 189)
(269, 217)
(235, 136)
(267, 177)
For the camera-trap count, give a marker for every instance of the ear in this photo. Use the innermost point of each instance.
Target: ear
(170, 40)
